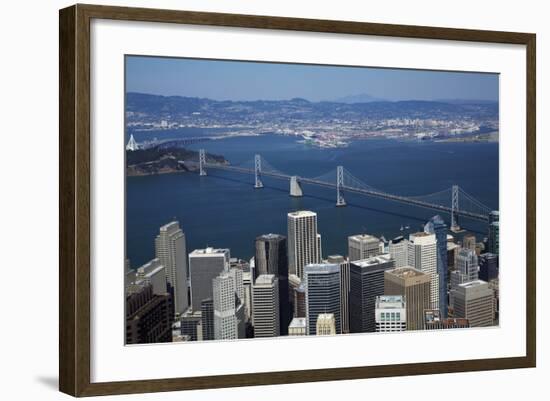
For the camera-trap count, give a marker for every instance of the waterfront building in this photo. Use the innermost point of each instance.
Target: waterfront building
(304, 242)
(207, 319)
(423, 256)
(225, 302)
(362, 246)
(344, 288)
(493, 237)
(297, 327)
(326, 324)
(265, 299)
(204, 266)
(322, 285)
(390, 313)
(366, 283)
(415, 286)
(170, 249)
(436, 225)
(149, 316)
(474, 300)
(488, 266)
(271, 258)
(434, 321)
(398, 249)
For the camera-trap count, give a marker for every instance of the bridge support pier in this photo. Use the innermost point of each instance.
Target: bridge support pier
(454, 209)
(340, 201)
(295, 187)
(202, 162)
(258, 172)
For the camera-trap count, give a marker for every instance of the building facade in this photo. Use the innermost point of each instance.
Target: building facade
(326, 324)
(423, 256)
(204, 266)
(398, 249)
(344, 289)
(362, 246)
(225, 305)
(322, 285)
(436, 225)
(304, 242)
(265, 300)
(390, 313)
(474, 301)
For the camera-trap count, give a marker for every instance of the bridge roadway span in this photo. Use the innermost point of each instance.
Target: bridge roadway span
(362, 191)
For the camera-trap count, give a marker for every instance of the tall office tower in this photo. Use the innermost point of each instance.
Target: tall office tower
(474, 301)
(293, 282)
(171, 251)
(399, 251)
(494, 216)
(247, 285)
(415, 286)
(271, 258)
(207, 319)
(466, 268)
(363, 246)
(390, 313)
(204, 266)
(153, 272)
(237, 275)
(326, 324)
(488, 266)
(436, 225)
(149, 316)
(366, 283)
(423, 253)
(189, 324)
(225, 318)
(322, 283)
(469, 241)
(297, 327)
(493, 237)
(434, 321)
(452, 252)
(493, 285)
(299, 301)
(265, 300)
(344, 289)
(303, 241)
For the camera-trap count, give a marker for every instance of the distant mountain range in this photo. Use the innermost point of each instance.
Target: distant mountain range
(360, 98)
(141, 107)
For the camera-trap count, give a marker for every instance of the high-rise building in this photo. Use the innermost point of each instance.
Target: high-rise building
(304, 242)
(399, 251)
(436, 225)
(207, 319)
(322, 284)
(294, 282)
(366, 283)
(452, 252)
(362, 246)
(171, 251)
(494, 216)
(225, 305)
(466, 268)
(474, 301)
(271, 258)
(204, 266)
(299, 301)
(149, 316)
(488, 266)
(390, 313)
(153, 273)
(423, 256)
(434, 321)
(344, 289)
(415, 286)
(326, 324)
(297, 327)
(493, 237)
(265, 300)
(189, 324)
(469, 241)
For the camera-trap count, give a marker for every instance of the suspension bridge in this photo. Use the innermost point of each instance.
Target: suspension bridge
(454, 200)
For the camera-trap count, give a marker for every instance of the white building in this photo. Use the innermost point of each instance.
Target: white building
(422, 255)
(171, 251)
(265, 300)
(398, 249)
(297, 327)
(304, 243)
(363, 246)
(390, 313)
(326, 324)
(225, 319)
(204, 265)
(153, 273)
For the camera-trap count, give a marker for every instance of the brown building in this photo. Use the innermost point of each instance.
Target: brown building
(149, 317)
(474, 301)
(415, 286)
(433, 321)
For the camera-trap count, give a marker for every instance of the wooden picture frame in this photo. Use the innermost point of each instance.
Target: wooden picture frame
(74, 199)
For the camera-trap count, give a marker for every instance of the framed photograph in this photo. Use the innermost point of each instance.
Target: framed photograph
(250, 200)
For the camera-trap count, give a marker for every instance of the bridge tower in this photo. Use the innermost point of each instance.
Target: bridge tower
(340, 201)
(258, 172)
(454, 209)
(202, 162)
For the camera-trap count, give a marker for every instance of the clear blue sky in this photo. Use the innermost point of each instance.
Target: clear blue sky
(241, 80)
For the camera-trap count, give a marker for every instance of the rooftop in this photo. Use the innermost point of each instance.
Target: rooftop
(209, 251)
(302, 213)
(364, 237)
(390, 301)
(265, 279)
(373, 261)
(298, 322)
(406, 272)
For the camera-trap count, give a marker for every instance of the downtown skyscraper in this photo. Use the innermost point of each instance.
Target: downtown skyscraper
(265, 306)
(363, 246)
(422, 255)
(304, 242)
(322, 285)
(436, 225)
(204, 266)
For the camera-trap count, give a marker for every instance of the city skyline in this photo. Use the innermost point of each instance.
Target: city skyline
(252, 81)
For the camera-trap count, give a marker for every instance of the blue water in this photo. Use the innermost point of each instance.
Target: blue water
(224, 210)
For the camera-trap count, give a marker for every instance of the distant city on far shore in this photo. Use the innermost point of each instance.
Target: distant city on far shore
(282, 200)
